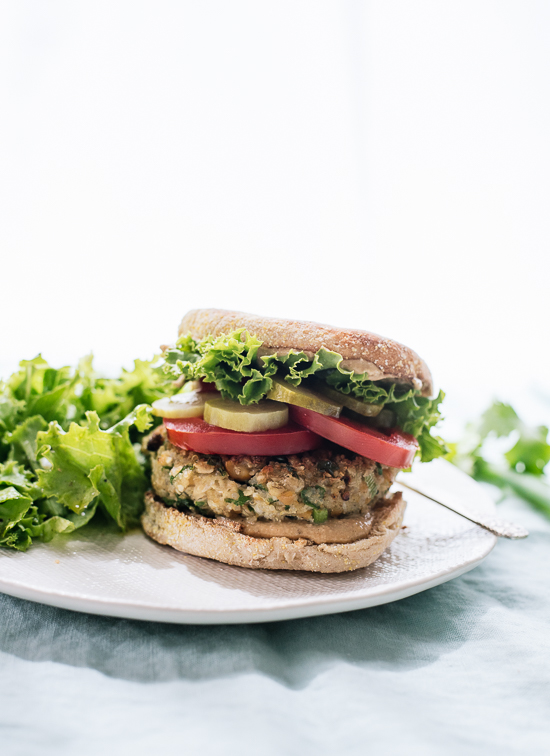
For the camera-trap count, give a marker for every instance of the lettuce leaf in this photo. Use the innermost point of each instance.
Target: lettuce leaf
(44, 410)
(228, 361)
(235, 364)
(64, 395)
(43, 390)
(86, 465)
(20, 518)
(360, 387)
(114, 398)
(23, 440)
(14, 506)
(417, 415)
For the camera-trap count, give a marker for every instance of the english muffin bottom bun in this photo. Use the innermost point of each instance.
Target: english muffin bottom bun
(283, 439)
(223, 540)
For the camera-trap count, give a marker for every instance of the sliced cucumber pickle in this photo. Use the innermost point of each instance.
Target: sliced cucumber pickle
(251, 418)
(303, 397)
(362, 408)
(188, 404)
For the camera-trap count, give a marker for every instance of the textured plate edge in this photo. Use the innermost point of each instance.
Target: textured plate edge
(241, 616)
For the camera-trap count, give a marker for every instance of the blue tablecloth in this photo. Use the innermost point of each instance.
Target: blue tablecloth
(462, 668)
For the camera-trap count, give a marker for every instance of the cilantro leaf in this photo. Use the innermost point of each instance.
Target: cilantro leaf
(521, 468)
(499, 419)
(312, 496)
(240, 500)
(531, 453)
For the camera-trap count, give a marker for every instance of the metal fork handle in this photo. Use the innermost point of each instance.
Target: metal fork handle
(495, 525)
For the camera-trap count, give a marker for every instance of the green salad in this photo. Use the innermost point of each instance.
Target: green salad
(69, 447)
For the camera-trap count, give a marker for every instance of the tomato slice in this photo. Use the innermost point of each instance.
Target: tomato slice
(193, 433)
(394, 448)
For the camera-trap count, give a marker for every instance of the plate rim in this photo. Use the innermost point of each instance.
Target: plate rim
(309, 608)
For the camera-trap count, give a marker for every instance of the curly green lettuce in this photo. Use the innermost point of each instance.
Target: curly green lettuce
(68, 441)
(235, 364)
(21, 518)
(86, 466)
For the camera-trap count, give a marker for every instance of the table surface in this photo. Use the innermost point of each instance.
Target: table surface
(463, 666)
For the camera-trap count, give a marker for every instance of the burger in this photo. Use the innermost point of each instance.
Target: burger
(282, 443)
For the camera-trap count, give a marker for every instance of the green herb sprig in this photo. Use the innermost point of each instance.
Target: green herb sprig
(521, 466)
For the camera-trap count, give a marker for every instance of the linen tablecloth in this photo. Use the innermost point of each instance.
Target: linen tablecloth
(462, 668)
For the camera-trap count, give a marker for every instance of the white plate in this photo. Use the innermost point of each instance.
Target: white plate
(134, 577)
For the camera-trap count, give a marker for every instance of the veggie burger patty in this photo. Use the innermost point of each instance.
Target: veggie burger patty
(312, 486)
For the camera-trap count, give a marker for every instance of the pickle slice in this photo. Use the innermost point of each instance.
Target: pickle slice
(362, 408)
(251, 418)
(303, 397)
(187, 404)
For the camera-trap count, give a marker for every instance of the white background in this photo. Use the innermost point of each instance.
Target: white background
(383, 165)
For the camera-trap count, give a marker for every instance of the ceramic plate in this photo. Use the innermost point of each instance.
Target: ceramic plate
(131, 576)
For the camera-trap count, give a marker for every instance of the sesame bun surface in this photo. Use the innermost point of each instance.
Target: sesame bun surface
(362, 351)
(221, 540)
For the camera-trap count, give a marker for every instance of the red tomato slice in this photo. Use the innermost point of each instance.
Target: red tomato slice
(193, 433)
(395, 449)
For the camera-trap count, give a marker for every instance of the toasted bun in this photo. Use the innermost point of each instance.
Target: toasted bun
(363, 352)
(202, 536)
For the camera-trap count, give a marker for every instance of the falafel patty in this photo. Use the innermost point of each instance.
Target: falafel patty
(313, 486)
